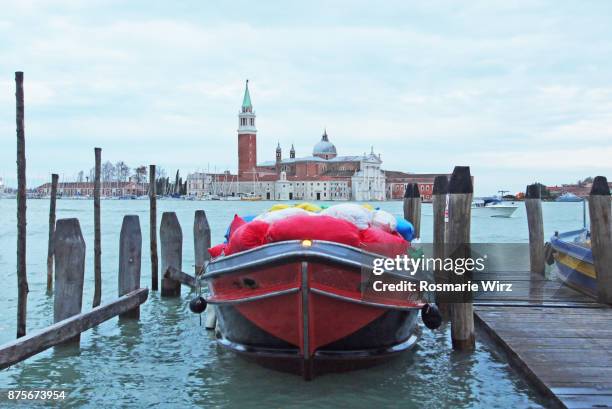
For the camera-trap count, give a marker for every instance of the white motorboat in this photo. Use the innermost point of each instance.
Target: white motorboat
(493, 208)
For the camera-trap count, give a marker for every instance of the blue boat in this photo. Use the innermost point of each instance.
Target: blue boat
(574, 260)
(568, 197)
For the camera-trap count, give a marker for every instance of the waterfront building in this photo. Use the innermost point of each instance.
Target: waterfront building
(323, 175)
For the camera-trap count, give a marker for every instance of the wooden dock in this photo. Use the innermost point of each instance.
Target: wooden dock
(560, 339)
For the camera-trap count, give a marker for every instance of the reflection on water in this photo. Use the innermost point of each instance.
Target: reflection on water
(167, 360)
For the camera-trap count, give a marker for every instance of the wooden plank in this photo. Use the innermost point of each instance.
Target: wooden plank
(180, 276)
(565, 352)
(22, 348)
(587, 401)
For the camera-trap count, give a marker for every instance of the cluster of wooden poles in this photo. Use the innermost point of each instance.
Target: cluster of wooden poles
(599, 201)
(451, 202)
(66, 261)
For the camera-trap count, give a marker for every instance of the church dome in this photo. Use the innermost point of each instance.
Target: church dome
(324, 148)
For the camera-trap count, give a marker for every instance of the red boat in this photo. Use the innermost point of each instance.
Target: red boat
(304, 307)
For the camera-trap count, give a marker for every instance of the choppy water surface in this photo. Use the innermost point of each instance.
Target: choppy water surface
(166, 359)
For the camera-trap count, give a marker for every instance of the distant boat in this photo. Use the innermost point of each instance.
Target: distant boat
(568, 197)
(574, 260)
(250, 197)
(493, 207)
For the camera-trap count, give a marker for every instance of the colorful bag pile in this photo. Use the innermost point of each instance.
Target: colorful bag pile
(355, 225)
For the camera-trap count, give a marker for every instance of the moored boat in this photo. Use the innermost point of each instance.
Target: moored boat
(300, 306)
(569, 197)
(493, 207)
(574, 260)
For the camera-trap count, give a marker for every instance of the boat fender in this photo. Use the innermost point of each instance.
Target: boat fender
(197, 305)
(431, 316)
(404, 228)
(549, 254)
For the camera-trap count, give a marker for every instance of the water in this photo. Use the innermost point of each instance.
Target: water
(166, 359)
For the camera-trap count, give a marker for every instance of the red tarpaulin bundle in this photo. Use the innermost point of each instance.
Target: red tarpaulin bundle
(314, 228)
(379, 241)
(247, 236)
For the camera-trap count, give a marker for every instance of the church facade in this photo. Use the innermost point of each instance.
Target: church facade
(322, 175)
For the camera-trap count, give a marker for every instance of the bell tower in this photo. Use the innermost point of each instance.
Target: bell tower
(279, 157)
(247, 138)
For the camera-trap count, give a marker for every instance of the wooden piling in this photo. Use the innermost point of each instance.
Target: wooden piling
(601, 237)
(460, 191)
(97, 234)
(130, 250)
(69, 252)
(201, 240)
(52, 205)
(22, 278)
(440, 189)
(412, 207)
(171, 237)
(533, 205)
(153, 227)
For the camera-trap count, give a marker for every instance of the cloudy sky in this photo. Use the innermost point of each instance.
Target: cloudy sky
(520, 91)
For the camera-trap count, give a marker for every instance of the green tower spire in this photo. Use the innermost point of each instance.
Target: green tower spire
(246, 101)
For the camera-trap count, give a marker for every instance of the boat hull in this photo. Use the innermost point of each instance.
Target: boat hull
(574, 262)
(303, 310)
(494, 211)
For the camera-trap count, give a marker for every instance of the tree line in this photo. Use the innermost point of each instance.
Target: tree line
(121, 172)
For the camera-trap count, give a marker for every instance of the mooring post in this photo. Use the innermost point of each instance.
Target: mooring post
(130, 250)
(533, 205)
(201, 243)
(171, 237)
(601, 237)
(22, 277)
(97, 234)
(440, 189)
(412, 207)
(69, 252)
(460, 192)
(52, 204)
(153, 227)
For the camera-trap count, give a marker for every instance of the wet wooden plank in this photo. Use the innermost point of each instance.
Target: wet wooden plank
(68, 328)
(565, 352)
(587, 401)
